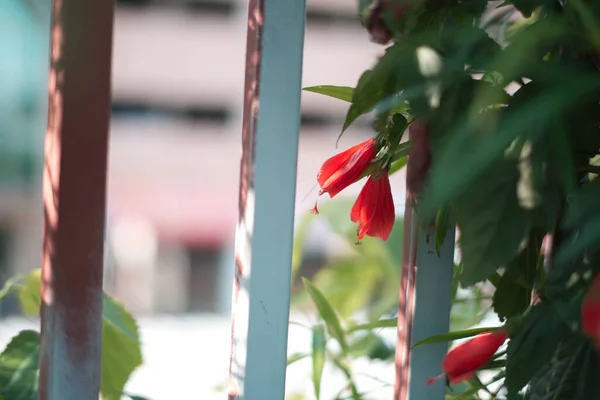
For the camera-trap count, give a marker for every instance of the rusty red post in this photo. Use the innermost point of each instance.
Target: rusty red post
(406, 300)
(74, 191)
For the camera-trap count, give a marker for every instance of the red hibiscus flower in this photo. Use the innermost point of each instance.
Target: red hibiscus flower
(374, 208)
(590, 312)
(464, 360)
(345, 168)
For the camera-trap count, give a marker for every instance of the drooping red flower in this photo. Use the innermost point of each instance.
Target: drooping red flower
(464, 360)
(590, 312)
(374, 208)
(345, 168)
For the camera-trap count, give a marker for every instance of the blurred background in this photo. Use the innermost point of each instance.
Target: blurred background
(178, 70)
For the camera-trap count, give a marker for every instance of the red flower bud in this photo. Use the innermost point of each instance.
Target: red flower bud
(345, 168)
(590, 312)
(374, 208)
(464, 360)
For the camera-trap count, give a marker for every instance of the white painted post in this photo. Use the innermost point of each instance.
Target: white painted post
(264, 235)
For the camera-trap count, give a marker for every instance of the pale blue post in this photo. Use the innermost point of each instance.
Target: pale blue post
(433, 296)
(264, 235)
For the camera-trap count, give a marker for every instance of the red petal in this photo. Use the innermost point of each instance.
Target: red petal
(384, 213)
(374, 208)
(590, 311)
(345, 168)
(464, 360)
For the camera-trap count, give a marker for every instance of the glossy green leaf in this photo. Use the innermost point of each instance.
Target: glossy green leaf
(29, 293)
(451, 336)
(397, 70)
(513, 292)
(491, 222)
(19, 367)
(327, 313)
(396, 128)
(442, 224)
(482, 139)
(338, 92)
(587, 235)
(571, 374)
(583, 204)
(398, 165)
(467, 44)
(121, 349)
(318, 357)
(533, 345)
(382, 323)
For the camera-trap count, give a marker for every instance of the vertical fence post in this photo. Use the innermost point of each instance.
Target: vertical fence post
(264, 235)
(424, 310)
(433, 301)
(74, 191)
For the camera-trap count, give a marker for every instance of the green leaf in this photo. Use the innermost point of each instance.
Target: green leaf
(29, 293)
(589, 22)
(571, 374)
(587, 236)
(8, 287)
(296, 357)
(451, 336)
(338, 92)
(398, 69)
(121, 350)
(348, 284)
(398, 165)
(532, 345)
(467, 44)
(327, 313)
(513, 292)
(318, 357)
(442, 224)
(492, 224)
(526, 7)
(19, 367)
(396, 128)
(481, 139)
(372, 346)
(382, 323)
(469, 394)
(136, 397)
(583, 204)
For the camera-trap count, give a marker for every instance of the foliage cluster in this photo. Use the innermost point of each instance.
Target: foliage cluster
(512, 103)
(19, 369)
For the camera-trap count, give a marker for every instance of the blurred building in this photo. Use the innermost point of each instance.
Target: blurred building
(178, 75)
